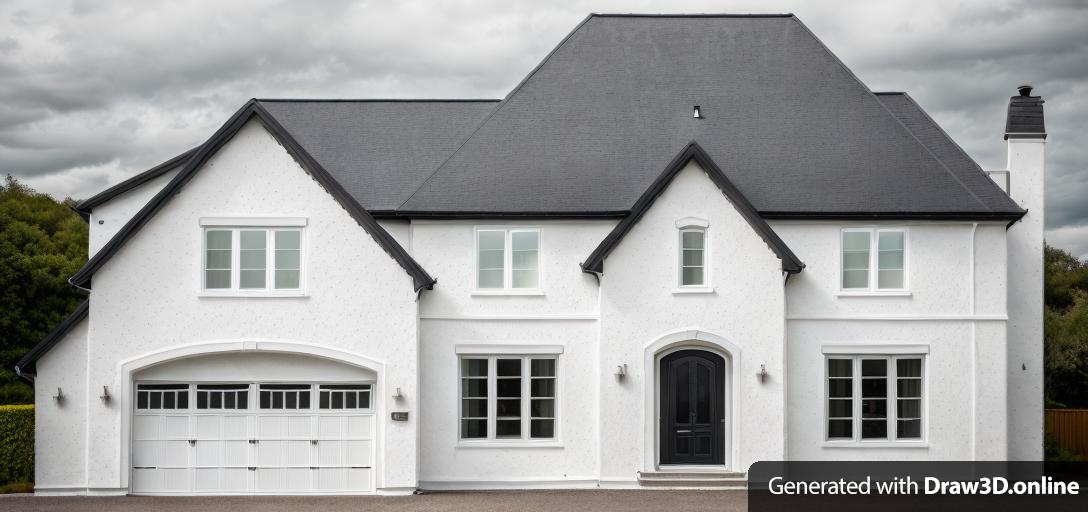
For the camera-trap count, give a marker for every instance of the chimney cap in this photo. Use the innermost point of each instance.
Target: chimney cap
(1025, 90)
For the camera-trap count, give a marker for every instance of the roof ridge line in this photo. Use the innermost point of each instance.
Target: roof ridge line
(497, 108)
(873, 95)
(694, 15)
(378, 100)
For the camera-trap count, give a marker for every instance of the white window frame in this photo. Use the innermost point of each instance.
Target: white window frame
(892, 397)
(235, 289)
(680, 257)
(254, 398)
(874, 260)
(508, 262)
(492, 395)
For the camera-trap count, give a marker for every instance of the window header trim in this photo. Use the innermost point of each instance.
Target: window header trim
(508, 349)
(254, 221)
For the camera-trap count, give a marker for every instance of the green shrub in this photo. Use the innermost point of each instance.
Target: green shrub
(16, 443)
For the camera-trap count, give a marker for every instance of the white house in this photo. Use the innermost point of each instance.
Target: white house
(681, 245)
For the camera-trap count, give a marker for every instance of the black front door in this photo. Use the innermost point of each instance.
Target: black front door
(692, 408)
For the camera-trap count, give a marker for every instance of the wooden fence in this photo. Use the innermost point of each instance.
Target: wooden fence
(1069, 427)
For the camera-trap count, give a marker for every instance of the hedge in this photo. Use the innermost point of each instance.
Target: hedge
(16, 443)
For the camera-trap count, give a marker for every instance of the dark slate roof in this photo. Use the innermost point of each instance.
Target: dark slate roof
(937, 141)
(379, 150)
(590, 129)
(594, 264)
(84, 207)
(28, 364)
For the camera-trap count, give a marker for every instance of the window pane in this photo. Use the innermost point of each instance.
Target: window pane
(909, 409)
(524, 260)
(491, 260)
(542, 429)
(473, 429)
(543, 367)
(544, 388)
(216, 400)
(523, 240)
(252, 259)
(542, 408)
(474, 387)
(909, 429)
(874, 367)
(217, 259)
(218, 240)
(692, 276)
(474, 367)
(692, 239)
(476, 408)
(506, 429)
(891, 241)
(837, 429)
(490, 279)
(508, 408)
(693, 257)
(492, 240)
(287, 259)
(509, 367)
(855, 241)
(891, 260)
(168, 401)
(287, 279)
(840, 367)
(250, 240)
(508, 387)
(874, 388)
(141, 400)
(215, 279)
(183, 400)
(855, 261)
(874, 429)
(855, 279)
(288, 239)
(840, 388)
(909, 388)
(909, 367)
(840, 408)
(525, 279)
(890, 279)
(251, 278)
(874, 408)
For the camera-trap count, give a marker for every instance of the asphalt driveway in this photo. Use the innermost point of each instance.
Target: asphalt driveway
(559, 501)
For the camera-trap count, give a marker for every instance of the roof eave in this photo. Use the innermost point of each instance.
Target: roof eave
(27, 365)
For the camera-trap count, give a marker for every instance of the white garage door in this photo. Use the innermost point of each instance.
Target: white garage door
(252, 438)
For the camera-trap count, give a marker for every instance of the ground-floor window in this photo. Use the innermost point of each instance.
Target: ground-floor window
(872, 397)
(508, 397)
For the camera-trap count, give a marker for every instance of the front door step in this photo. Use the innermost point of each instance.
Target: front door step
(708, 480)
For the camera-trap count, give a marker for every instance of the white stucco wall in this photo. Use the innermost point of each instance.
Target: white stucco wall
(108, 218)
(1026, 158)
(638, 307)
(60, 428)
(955, 308)
(147, 298)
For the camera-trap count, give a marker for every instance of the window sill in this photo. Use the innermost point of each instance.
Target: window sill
(251, 295)
(874, 293)
(508, 293)
(692, 290)
(516, 443)
(875, 444)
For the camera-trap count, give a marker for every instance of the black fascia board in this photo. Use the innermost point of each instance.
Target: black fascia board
(594, 264)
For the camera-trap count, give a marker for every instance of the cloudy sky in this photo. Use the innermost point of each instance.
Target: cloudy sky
(92, 92)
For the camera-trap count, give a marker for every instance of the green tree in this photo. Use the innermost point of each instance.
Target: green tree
(42, 243)
(1065, 324)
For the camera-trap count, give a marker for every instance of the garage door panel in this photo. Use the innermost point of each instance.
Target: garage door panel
(270, 479)
(270, 453)
(297, 479)
(298, 453)
(174, 453)
(358, 426)
(176, 427)
(357, 453)
(146, 427)
(358, 479)
(235, 427)
(145, 453)
(269, 426)
(299, 427)
(235, 453)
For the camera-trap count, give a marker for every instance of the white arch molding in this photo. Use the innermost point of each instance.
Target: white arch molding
(683, 339)
(126, 368)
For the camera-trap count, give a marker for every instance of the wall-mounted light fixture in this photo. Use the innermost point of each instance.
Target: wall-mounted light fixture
(106, 397)
(59, 397)
(621, 372)
(762, 375)
(397, 395)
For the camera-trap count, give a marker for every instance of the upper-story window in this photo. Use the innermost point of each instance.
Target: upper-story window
(507, 259)
(874, 259)
(693, 256)
(252, 259)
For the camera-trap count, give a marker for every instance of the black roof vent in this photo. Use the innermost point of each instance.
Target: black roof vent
(1025, 90)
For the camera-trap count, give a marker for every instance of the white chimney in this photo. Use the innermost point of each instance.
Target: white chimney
(1026, 139)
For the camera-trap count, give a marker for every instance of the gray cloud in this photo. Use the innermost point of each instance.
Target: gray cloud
(94, 92)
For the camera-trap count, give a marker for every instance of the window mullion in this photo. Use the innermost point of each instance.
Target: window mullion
(893, 399)
(526, 380)
(874, 259)
(492, 390)
(235, 260)
(508, 261)
(857, 397)
(269, 258)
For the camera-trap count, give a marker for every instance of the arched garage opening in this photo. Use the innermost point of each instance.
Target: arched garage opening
(252, 418)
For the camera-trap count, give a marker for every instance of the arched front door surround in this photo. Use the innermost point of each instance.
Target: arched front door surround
(128, 367)
(679, 341)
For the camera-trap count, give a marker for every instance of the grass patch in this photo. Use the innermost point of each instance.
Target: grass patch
(16, 487)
